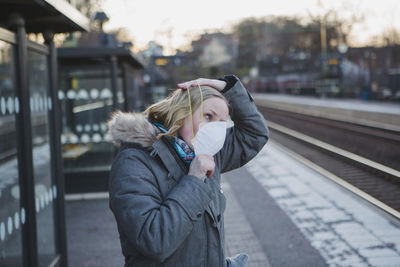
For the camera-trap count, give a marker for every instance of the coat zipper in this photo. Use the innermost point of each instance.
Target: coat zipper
(206, 239)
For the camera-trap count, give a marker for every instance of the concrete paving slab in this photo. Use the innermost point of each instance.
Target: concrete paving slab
(344, 229)
(93, 240)
(239, 235)
(283, 243)
(92, 234)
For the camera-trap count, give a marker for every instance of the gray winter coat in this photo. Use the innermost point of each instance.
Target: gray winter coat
(164, 216)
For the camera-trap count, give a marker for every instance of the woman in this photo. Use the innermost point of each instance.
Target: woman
(168, 202)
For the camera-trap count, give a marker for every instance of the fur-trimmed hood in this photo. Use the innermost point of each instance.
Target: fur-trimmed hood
(132, 127)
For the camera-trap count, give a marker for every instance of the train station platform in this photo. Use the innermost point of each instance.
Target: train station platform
(369, 113)
(280, 212)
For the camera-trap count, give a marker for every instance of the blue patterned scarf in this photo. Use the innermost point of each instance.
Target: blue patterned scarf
(183, 150)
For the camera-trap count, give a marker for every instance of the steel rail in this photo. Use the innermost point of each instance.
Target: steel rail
(341, 153)
(340, 182)
(378, 145)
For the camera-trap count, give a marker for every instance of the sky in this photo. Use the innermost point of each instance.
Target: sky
(173, 23)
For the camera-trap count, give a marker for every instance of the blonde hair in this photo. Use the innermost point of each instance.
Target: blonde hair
(172, 111)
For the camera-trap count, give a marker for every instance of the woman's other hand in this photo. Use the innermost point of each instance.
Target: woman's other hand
(216, 84)
(202, 165)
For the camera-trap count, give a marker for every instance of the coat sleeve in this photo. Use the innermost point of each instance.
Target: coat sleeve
(249, 133)
(155, 226)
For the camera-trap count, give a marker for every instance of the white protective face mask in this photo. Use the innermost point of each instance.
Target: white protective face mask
(210, 138)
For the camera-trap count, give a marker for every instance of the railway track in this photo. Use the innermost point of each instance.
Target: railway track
(336, 155)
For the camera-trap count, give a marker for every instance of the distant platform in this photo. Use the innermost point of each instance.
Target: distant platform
(369, 113)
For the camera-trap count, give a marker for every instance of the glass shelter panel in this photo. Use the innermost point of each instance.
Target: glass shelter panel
(12, 215)
(87, 100)
(45, 189)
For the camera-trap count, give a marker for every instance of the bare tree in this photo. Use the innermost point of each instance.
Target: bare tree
(337, 23)
(344, 20)
(88, 7)
(390, 35)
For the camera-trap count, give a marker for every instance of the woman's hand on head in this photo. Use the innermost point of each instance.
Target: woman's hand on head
(216, 84)
(202, 165)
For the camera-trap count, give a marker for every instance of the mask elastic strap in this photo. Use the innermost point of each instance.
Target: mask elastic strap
(201, 95)
(191, 114)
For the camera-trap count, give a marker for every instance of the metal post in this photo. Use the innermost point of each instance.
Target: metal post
(137, 94)
(126, 85)
(323, 51)
(57, 162)
(24, 133)
(114, 89)
(323, 36)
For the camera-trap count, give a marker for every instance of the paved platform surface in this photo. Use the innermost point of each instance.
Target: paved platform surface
(344, 229)
(279, 211)
(239, 235)
(93, 238)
